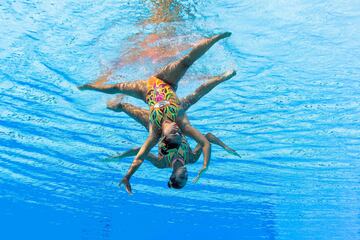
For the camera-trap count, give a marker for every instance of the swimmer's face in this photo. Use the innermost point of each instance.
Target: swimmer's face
(171, 130)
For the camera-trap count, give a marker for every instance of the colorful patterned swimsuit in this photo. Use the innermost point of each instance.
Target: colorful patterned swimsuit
(168, 155)
(162, 101)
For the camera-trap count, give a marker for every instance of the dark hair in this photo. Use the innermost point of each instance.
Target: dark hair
(176, 178)
(170, 143)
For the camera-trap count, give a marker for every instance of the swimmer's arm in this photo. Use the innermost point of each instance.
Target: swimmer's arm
(150, 142)
(141, 155)
(205, 146)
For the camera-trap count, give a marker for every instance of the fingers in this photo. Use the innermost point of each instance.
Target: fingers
(196, 179)
(128, 189)
(127, 185)
(121, 183)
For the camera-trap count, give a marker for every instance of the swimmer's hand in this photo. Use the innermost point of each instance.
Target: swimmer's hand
(196, 179)
(126, 182)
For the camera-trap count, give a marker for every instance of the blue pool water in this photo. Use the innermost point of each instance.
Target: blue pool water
(292, 113)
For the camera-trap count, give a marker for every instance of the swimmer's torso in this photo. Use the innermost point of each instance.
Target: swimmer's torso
(167, 155)
(162, 101)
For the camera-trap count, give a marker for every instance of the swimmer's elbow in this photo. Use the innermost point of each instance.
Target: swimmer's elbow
(205, 143)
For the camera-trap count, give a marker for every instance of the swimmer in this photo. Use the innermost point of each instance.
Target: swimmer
(173, 150)
(159, 93)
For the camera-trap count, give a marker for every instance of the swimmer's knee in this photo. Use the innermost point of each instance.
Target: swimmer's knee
(208, 135)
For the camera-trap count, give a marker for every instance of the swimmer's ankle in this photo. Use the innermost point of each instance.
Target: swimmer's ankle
(229, 74)
(116, 106)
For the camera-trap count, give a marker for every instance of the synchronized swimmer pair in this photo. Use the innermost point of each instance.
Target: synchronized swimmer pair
(166, 119)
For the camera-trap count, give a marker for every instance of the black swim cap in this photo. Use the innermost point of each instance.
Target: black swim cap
(178, 178)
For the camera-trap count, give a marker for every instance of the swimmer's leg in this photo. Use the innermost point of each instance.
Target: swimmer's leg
(139, 114)
(204, 89)
(132, 152)
(215, 140)
(173, 72)
(135, 89)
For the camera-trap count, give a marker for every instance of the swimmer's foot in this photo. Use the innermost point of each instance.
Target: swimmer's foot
(227, 75)
(87, 86)
(116, 103)
(221, 78)
(90, 86)
(232, 151)
(223, 35)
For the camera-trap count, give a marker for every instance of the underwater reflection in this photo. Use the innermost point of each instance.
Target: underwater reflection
(165, 40)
